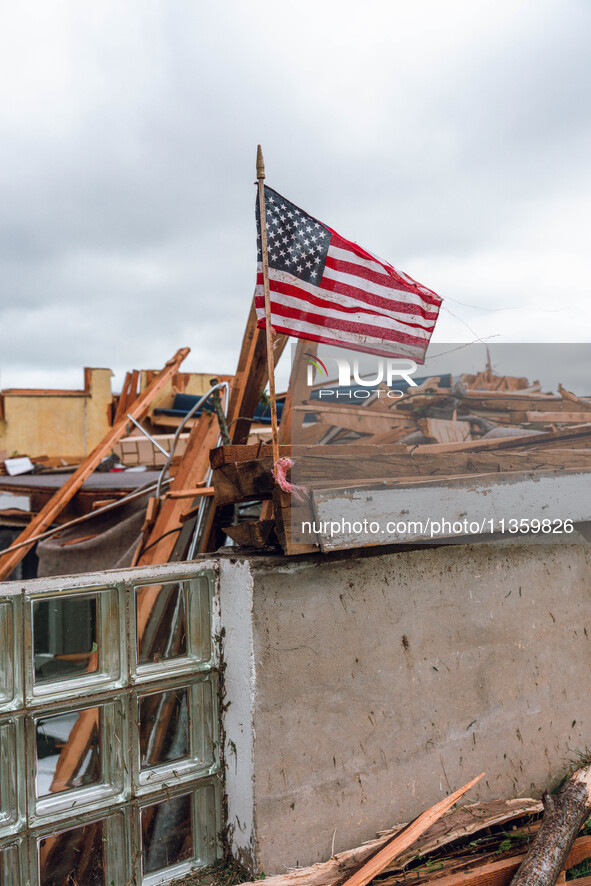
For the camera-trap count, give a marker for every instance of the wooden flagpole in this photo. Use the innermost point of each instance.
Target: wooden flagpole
(268, 328)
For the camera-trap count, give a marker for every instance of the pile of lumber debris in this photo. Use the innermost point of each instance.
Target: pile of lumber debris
(442, 437)
(520, 842)
(482, 429)
(181, 519)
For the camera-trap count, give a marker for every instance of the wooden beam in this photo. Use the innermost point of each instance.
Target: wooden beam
(192, 470)
(191, 493)
(250, 378)
(244, 481)
(245, 392)
(584, 402)
(567, 437)
(559, 418)
(56, 504)
(122, 398)
(317, 465)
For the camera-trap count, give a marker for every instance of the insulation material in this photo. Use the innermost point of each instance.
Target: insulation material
(107, 542)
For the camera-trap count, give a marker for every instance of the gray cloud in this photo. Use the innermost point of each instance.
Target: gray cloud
(450, 138)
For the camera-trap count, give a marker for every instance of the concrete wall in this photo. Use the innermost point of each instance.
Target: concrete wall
(57, 423)
(363, 689)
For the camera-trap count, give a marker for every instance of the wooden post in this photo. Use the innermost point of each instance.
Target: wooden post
(564, 816)
(268, 328)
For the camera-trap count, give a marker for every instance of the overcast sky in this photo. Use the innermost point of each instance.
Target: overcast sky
(451, 138)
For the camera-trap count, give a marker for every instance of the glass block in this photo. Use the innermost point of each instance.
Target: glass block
(80, 758)
(179, 833)
(10, 865)
(65, 638)
(10, 668)
(95, 853)
(75, 643)
(176, 733)
(12, 775)
(164, 727)
(172, 626)
(167, 833)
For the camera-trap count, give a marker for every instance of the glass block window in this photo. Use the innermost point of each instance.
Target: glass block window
(85, 854)
(178, 833)
(80, 757)
(76, 641)
(108, 758)
(172, 627)
(188, 744)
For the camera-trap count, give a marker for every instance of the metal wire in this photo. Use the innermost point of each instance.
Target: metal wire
(189, 415)
(149, 436)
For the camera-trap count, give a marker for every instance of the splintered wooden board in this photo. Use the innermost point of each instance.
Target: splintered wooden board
(445, 431)
(494, 873)
(418, 510)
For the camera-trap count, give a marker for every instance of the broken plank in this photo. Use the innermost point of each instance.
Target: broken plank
(316, 465)
(459, 822)
(313, 434)
(191, 493)
(530, 441)
(122, 398)
(583, 402)
(464, 821)
(445, 430)
(394, 847)
(392, 436)
(563, 418)
(298, 389)
(319, 466)
(250, 378)
(356, 418)
(192, 470)
(223, 455)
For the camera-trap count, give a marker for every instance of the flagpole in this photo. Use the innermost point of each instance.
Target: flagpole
(268, 327)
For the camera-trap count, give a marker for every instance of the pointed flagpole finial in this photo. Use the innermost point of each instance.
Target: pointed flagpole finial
(260, 163)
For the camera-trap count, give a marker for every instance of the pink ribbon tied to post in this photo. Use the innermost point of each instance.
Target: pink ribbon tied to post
(280, 469)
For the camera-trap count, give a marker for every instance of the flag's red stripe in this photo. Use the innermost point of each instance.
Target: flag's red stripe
(342, 243)
(377, 300)
(343, 325)
(298, 292)
(362, 296)
(391, 281)
(406, 282)
(355, 346)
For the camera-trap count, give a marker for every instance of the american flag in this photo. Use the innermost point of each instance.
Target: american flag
(326, 289)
